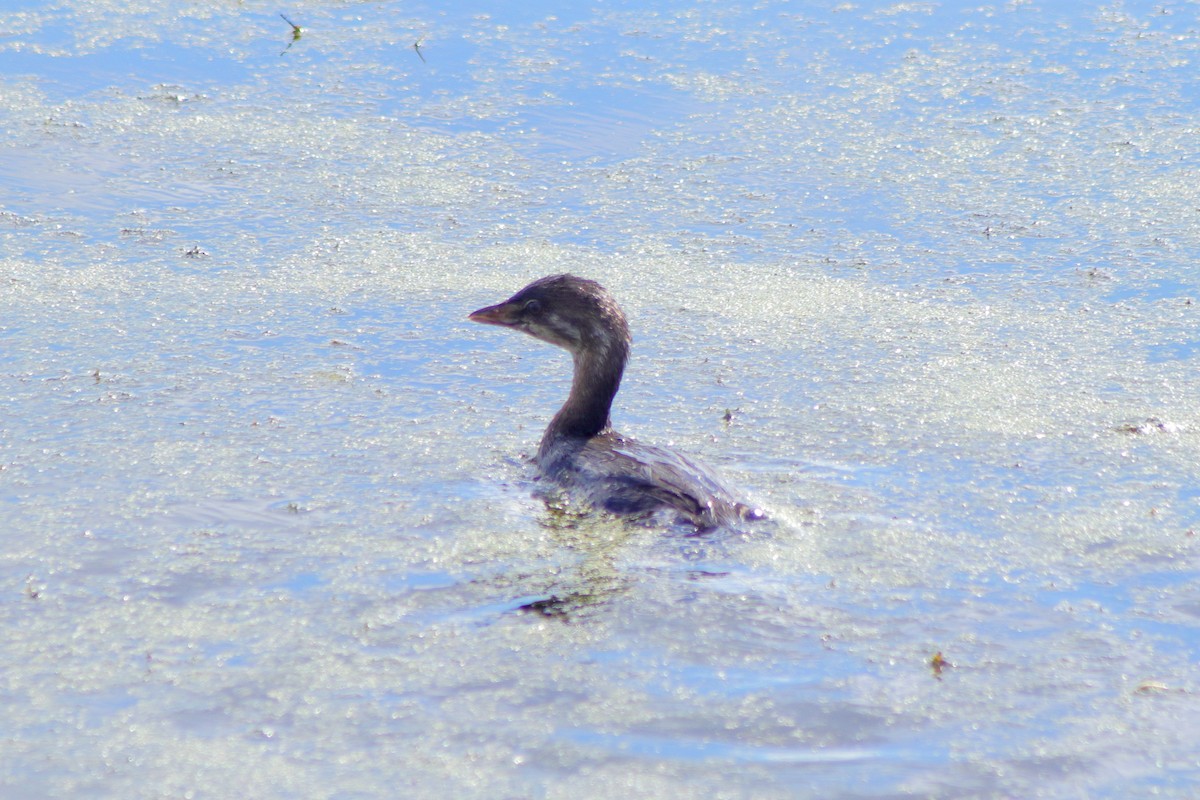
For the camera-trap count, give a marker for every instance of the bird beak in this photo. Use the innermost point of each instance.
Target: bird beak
(503, 314)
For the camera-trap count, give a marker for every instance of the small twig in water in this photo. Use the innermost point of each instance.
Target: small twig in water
(296, 33)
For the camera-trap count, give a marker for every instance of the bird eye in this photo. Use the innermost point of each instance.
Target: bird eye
(532, 306)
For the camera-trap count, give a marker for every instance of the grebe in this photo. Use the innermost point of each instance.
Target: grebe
(580, 451)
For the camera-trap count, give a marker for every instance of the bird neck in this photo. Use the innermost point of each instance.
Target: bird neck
(596, 380)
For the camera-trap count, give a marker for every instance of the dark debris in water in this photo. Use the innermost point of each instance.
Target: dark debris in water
(938, 664)
(552, 607)
(1148, 425)
(568, 608)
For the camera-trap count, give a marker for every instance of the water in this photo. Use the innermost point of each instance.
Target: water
(267, 530)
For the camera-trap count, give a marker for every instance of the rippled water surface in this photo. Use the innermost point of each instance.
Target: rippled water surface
(920, 278)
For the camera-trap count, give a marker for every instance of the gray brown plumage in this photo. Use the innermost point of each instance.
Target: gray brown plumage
(580, 450)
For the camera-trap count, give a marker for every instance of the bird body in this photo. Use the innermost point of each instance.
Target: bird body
(580, 451)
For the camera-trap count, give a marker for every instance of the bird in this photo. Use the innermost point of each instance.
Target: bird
(580, 451)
